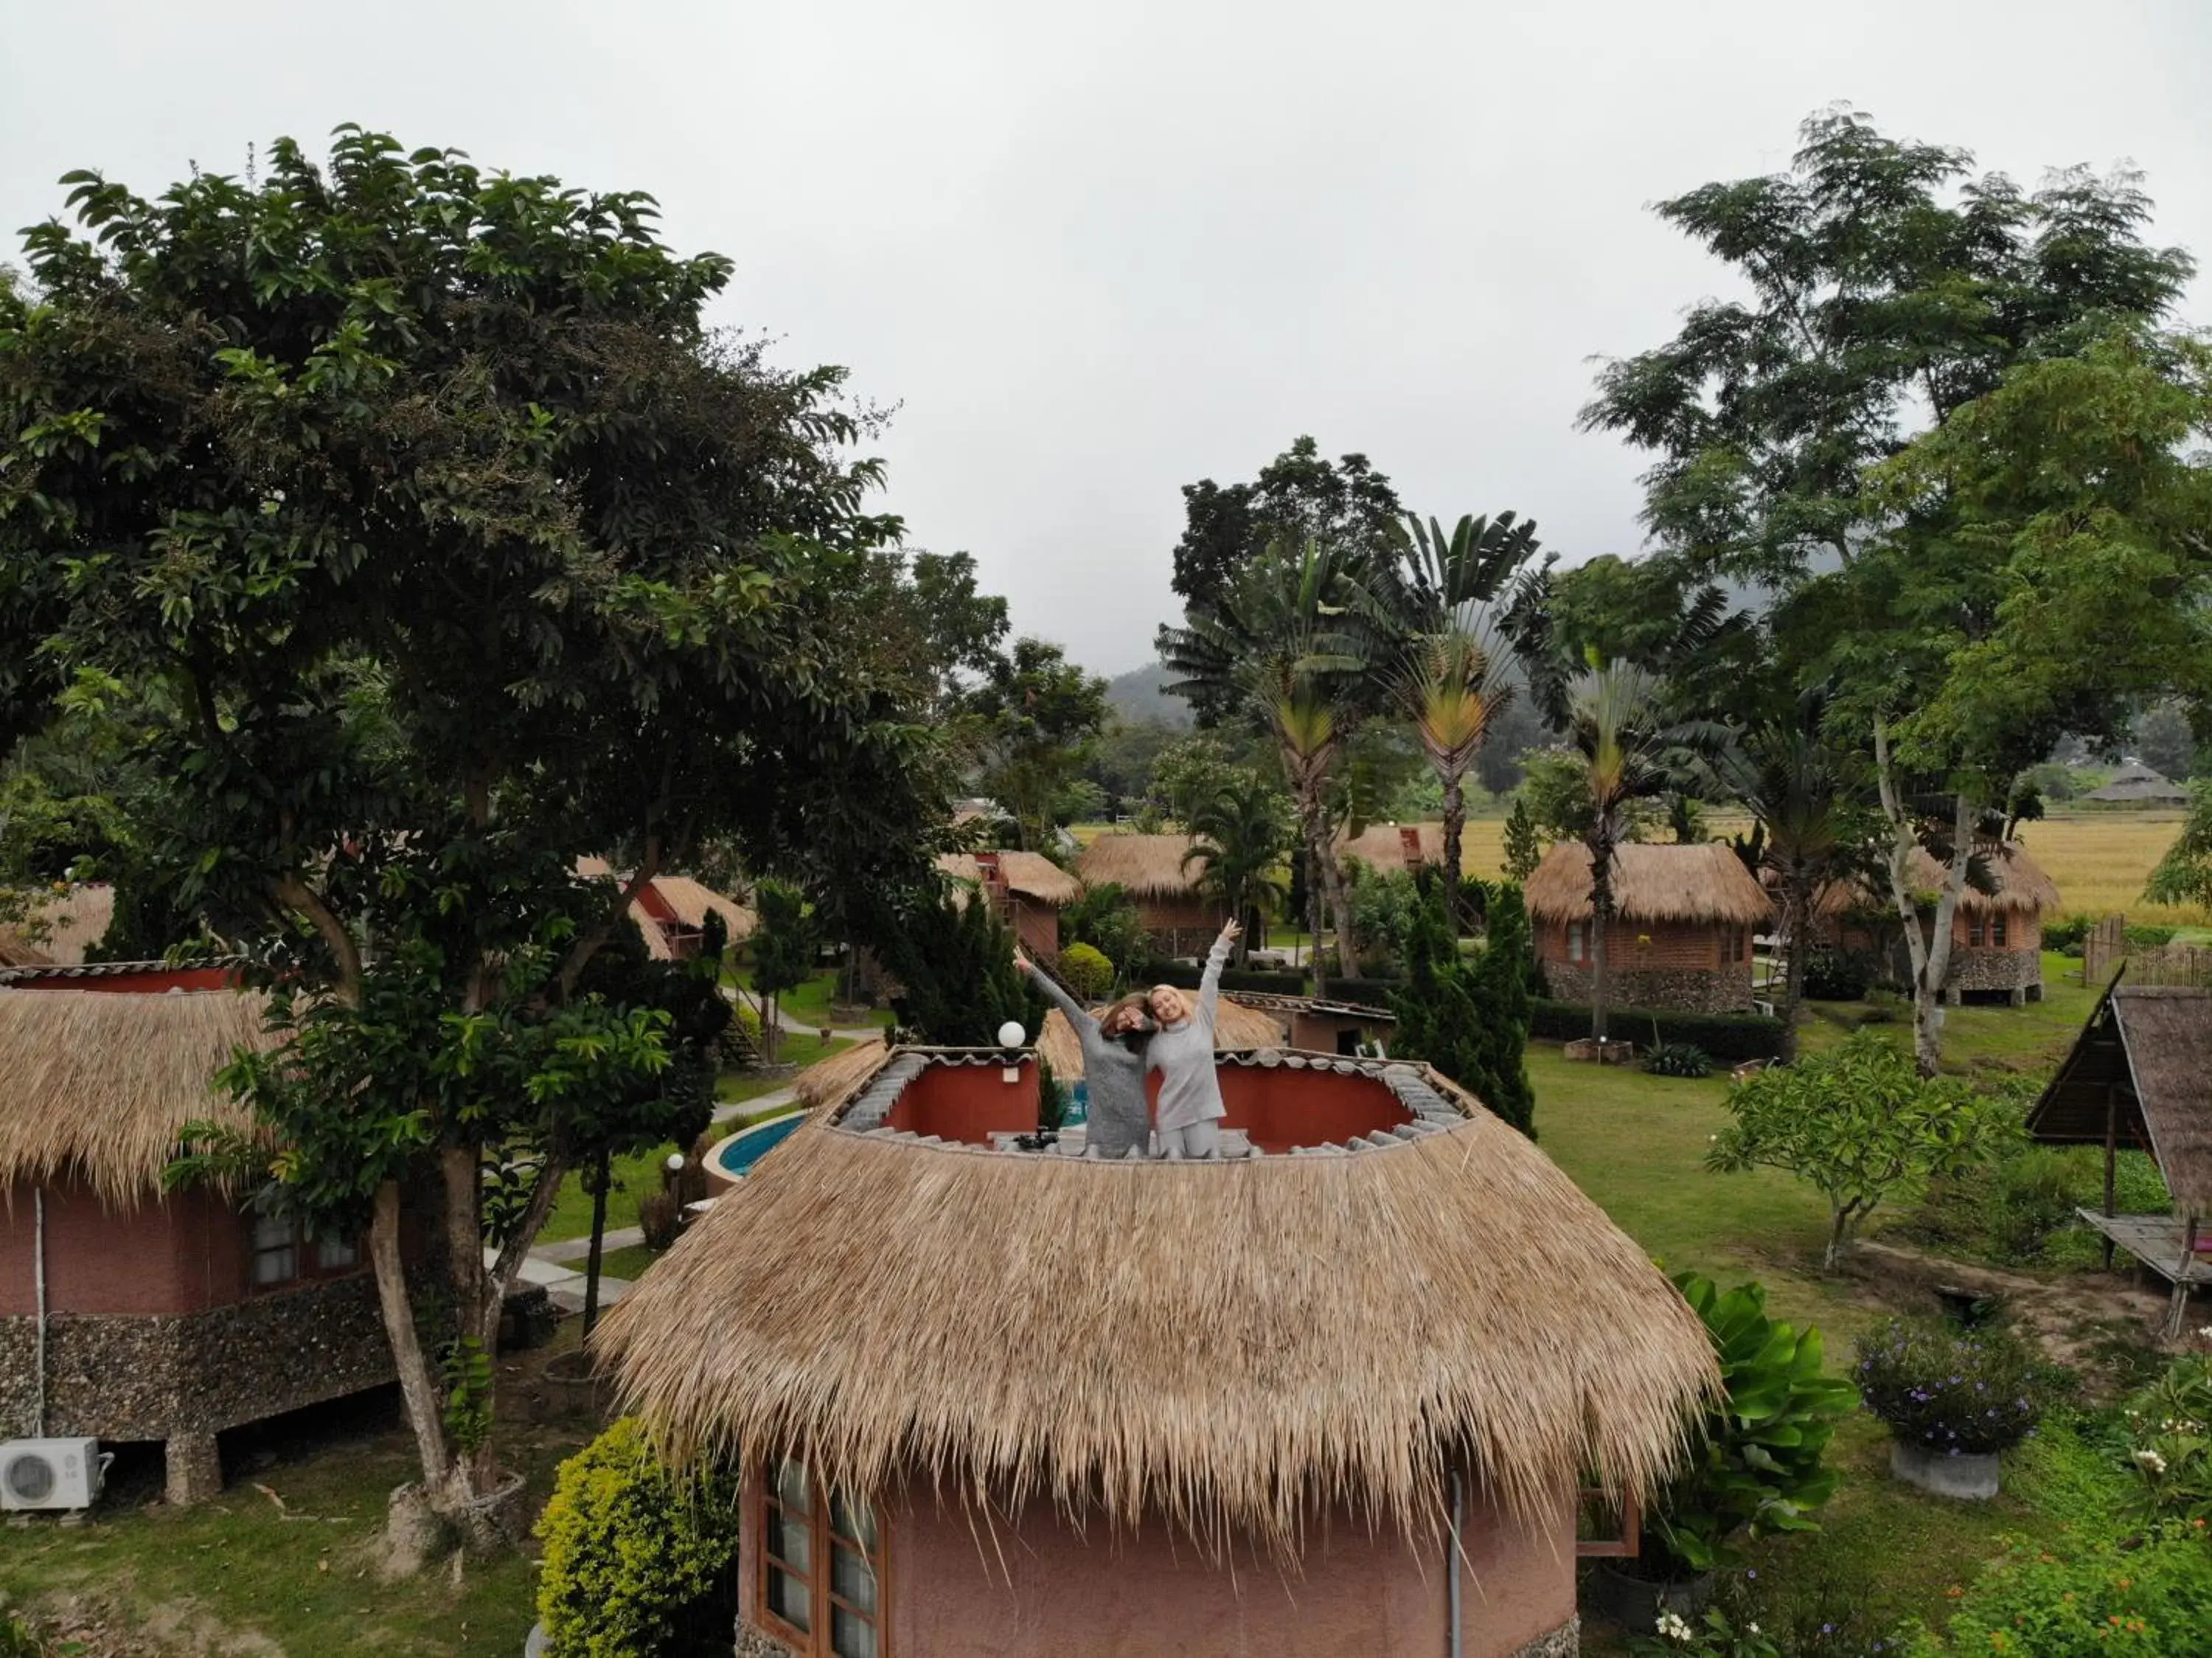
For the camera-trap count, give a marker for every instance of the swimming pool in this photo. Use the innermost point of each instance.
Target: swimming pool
(733, 1159)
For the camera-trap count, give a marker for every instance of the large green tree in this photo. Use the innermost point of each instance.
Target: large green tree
(1238, 841)
(1031, 721)
(450, 546)
(1889, 290)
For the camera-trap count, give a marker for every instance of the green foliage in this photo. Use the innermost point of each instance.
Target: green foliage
(2146, 1598)
(1833, 975)
(1239, 836)
(1524, 848)
(1384, 908)
(627, 1544)
(1946, 1390)
(959, 984)
(1105, 919)
(1759, 1467)
(2184, 875)
(2018, 1209)
(1728, 1037)
(466, 1372)
(1859, 1124)
(2169, 1434)
(1190, 771)
(1677, 1059)
(1029, 723)
(1470, 1018)
(1087, 970)
(783, 949)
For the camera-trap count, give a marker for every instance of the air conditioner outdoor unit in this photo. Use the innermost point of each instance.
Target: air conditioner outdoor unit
(51, 1473)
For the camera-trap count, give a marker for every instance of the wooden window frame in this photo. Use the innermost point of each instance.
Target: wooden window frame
(1577, 945)
(822, 1543)
(1977, 931)
(1998, 932)
(1626, 1546)
(309, 1266)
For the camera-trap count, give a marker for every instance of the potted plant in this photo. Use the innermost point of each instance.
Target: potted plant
(1954, 1401)
(1756, 1468)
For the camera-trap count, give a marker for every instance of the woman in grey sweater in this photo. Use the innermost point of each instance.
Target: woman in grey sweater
(1113, 1066)
(1183, 1052)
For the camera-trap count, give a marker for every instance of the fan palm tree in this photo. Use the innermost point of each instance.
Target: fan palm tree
(1238, 838)
(1452, 688)
(1631, 749)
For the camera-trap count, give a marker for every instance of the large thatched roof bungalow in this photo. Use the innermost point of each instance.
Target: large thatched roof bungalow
(1168, 892)
(1684, 920)
(1996, 937)
(1388, 848)
(1027, 890)
(1335, 1396)
(163, 1316)
(670, 912)
(2138, 785)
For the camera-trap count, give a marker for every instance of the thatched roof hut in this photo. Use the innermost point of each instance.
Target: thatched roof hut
(675, 901)
(1026, 874)
(2022, 887)
(2138, 785)
(1651, 884)
(2142, 1070)
(1265, 1338)
(61, 928)
(1385, 848)
(1143, 866)
(101, 1085)
(840, 1074)
(1236, 1028)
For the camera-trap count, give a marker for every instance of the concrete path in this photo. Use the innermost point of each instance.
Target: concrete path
(564, 1285)
(577, 1250)
(759, 1105)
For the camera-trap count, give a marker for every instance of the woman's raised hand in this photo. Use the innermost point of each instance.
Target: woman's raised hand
(1021, 961)
(1232, 930)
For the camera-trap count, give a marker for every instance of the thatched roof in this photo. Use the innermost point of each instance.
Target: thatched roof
(1699, 883)
(2139, 785)
(65, 926)
(1026, 874)
(2021, 887)
(1145, 865)
(1382, 846)
(100, 1084)
(1235, 1029)
(2148, 1051)
(840, 1074)
(687, 900)
(1233, 1344)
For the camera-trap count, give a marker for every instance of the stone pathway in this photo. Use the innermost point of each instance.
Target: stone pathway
(729, 1110)
(563, 1283)
(569, 1250)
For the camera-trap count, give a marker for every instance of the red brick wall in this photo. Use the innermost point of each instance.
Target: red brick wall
(1631, 946)
(183, 1253)
(968, 1103)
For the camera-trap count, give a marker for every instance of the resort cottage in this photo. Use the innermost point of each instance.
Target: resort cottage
(1026, 890)
(1684, 919)
(2138, 785)
(1387, 848)
(670, 912)
(1997, 938)
(1323, 1024)
(1341, 1394)
(131, 1313)
(1179, 915)
(62, 930)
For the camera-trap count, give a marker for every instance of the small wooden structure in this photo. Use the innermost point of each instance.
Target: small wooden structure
(1026, 890)
(1165, 884)
(2140, 1075)
(1321, 1024)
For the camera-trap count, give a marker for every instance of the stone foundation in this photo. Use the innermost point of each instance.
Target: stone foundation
(2017, 973)
(186, 1378)
(1687, 990)
(751, 1643)
(1565, 1641)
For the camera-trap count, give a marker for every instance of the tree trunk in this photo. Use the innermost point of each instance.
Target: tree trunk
(1601, 924)
(1455, 832)
(418, 1388)
(1930, 953)
(1313, 921)
(602, 1172)
(1796, 922)
(1840, 1217)
(1339, 900)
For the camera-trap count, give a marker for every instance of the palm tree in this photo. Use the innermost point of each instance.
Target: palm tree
(1292, 644)
(1238, 838)
(1452, 689)
(1630, 750)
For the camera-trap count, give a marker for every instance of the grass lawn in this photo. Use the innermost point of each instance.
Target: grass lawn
(629, 1263)
(633, 1177)
(809, 1003)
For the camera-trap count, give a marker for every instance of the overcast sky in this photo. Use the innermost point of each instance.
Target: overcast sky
(1096, 253)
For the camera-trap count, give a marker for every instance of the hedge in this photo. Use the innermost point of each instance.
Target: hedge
(1729, 1036)
(1262, 979)
(1367, 992)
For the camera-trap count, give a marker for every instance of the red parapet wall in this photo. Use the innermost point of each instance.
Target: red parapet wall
(969, 1103)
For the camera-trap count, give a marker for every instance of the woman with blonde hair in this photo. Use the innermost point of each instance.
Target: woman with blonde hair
(1113, 1043)
(1183, 1052)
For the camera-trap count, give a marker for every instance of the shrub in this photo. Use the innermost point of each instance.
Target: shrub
(1677, 1059)
(1087, 970)
(1727, 1037)
(2169, 1431)
(2067, 932)
(1943, 1389)
(1883, 1006)
(2148, 937)
(1833, 976)
(659, 1217)
(2151, 1599)
(1758, 1468)
(2019, 1210)
(627, 1544)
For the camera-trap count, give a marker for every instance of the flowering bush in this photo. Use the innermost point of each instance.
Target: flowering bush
(1715, 1634)
(2151, 1600)
(2169, 1429)
(1953, 1391)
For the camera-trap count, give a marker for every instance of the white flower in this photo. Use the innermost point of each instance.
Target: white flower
(1672, 1627)
(1753, 1628)
(2150, 1461)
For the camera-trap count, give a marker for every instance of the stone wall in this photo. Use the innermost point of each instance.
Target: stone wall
(1993, 970)
(144, 1378)
(1726, 990)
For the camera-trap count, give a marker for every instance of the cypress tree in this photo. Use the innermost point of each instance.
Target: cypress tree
(1470, 1020)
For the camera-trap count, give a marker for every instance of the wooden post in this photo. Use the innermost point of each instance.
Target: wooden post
(2112, 1157)
(2180, 1303)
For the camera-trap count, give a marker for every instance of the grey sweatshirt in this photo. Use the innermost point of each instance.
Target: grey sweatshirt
(1113, 1079)
(1183, 1055)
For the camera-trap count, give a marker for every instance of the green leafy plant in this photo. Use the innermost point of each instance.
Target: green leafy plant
(466, 1372)
(1835, 976)
(1524, 847)
(1946, 1390)
(2169, 1432)
(1859, 1124)
(1759, 1467)
(2147, 1598)
(659, 1218)
(628, 1543)
(1087, 970)
(1677, 1059)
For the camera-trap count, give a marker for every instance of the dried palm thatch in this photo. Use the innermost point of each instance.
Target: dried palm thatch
(59, 930)
(1236, 1028)
(1706, 882)
(1264, 1337)
(1143, 866)
(1382, 846)
(2142, 1068)
(840, 1074)
(690, 900)
(1026, 874)
(2022, 887)
(99, 1084)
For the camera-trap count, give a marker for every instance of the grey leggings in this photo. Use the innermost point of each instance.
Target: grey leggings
(1201, 1139)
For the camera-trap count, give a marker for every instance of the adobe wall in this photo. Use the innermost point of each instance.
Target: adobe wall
(1712, 990)
(1033, 1585)
(183, 1253)
(141, 1377)
(968, 1103)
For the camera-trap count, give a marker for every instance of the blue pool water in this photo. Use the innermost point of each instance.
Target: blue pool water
(741, 1152)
